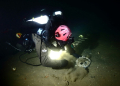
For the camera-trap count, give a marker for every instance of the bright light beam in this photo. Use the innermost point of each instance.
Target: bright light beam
(54, 55)
(41, 20)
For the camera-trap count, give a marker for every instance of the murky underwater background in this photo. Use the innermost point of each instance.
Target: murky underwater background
(102, 45)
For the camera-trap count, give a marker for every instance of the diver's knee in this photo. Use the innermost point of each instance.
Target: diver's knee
(64, 63)
(60, 64)
(54, 63)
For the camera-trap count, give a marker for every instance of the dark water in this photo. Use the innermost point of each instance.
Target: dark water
(99, 22)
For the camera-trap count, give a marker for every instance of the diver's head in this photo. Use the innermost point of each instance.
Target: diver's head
(63, 35)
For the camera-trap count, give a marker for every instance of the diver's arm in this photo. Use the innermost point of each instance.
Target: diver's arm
(70, 48)
(71, 51)
(46, 34)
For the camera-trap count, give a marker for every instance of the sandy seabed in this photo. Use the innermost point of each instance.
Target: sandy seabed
(103, 71)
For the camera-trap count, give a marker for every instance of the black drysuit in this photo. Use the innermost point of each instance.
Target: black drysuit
(43, 43)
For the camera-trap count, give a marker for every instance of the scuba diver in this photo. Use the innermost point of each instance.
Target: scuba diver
(55, 29)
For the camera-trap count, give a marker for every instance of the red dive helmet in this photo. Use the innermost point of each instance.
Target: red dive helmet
(63, 33)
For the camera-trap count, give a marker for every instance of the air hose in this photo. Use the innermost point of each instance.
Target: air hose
(28, 59)
(22, 55)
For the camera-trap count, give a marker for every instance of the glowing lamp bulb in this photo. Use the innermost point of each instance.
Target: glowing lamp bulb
(55, 55)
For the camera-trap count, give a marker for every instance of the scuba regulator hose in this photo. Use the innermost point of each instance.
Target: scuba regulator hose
(28, 59)
(22, 55)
